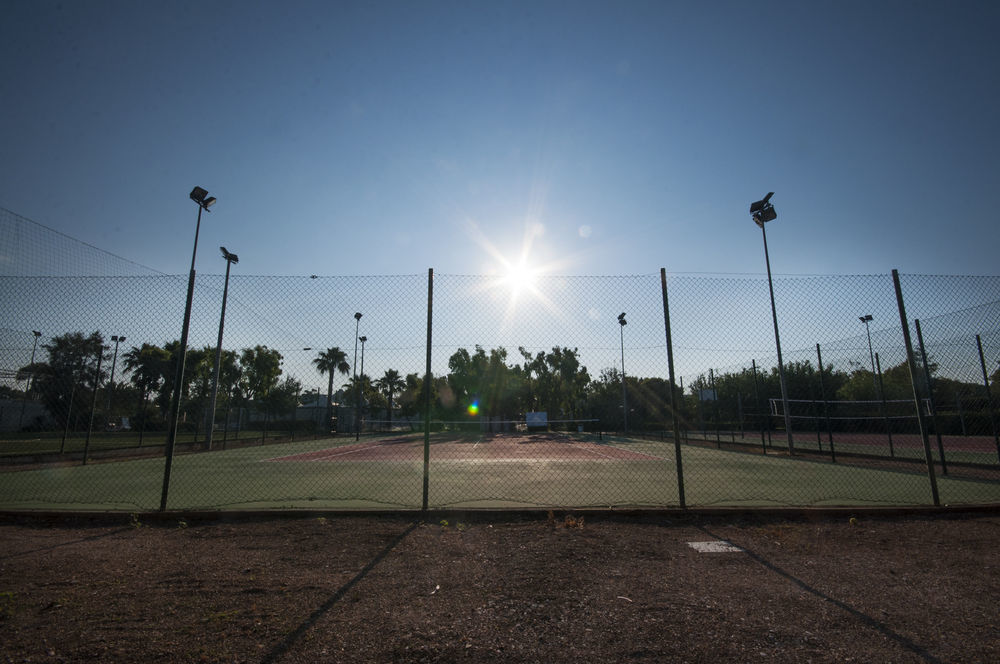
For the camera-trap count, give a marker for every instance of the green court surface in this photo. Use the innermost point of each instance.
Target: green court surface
(383, 473)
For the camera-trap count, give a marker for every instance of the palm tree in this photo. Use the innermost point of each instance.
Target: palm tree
(390, 384)
(329, 362)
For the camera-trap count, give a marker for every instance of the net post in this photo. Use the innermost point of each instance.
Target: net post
(913, 382)
(427, 389)
(673, 392)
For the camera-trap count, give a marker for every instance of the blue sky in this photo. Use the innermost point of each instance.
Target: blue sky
(600, 138)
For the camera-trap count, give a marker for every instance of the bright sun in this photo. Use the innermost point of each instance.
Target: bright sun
(519, 277)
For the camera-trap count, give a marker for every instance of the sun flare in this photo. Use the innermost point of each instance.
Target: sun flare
(520, 276)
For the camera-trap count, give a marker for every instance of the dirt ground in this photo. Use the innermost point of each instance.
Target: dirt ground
(501, 588)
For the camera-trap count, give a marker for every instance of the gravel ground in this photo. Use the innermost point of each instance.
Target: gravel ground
(501, 588)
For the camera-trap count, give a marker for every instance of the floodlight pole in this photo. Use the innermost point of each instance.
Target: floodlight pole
(361, 391)
(111, 383)
(230, 259)
(777, 343)
(31, 378)
(867, 318)
(199, 196)
(93, 401)
(357, 392)
(621, 333)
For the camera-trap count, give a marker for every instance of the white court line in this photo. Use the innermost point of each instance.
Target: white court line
(579, 446)
(715, 546)
(326, 456)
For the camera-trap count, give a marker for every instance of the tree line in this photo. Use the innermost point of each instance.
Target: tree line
(479, 383)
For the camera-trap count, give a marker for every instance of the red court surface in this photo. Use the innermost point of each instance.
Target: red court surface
(980, 444)
(495, 447)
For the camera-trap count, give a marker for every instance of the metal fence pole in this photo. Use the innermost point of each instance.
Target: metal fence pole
(427, 388)
(826, 409)
(715, 410)
(961, 415)
(673, 399)
(760, 408)
(930, 394)
(989, 396)
(916, 393)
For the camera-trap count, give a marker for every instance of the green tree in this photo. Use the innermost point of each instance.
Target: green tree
(260, 368)
(283, 398)
(71, 366)
(329, 362)
(390, 384)
(369, 394)
(148, 365)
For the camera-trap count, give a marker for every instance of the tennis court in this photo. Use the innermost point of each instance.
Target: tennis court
(502, 470)
(548, 446)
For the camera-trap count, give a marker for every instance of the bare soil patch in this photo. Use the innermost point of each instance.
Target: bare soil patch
(500, 588)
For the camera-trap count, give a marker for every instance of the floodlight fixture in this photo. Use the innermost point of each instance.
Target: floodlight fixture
(357, 316)
(866, 318)
(763, 211)
(231, 257)
(621, 319)
(36, 333)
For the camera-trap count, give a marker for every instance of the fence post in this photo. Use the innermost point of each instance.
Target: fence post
(673, 398)
(427, 388)
(989, 396)
(760, 408)
(930, 394)
(961, 415)
(916, 393)
(826, 410)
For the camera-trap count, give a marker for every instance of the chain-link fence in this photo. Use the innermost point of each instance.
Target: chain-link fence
(475, 391)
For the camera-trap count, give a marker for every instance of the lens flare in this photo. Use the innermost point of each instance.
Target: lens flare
(473, 408)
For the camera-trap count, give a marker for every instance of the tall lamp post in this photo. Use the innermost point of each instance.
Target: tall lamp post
(360, 389)
(621, 333)
(867, 318)
(111, 382)
(357, 414)
(230, 259)
(31, 378)
(762, 211)
(204, 201)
